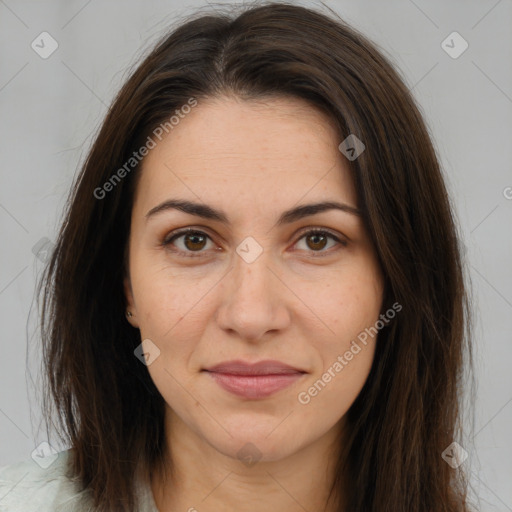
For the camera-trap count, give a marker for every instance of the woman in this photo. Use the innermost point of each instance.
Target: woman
(256, 301)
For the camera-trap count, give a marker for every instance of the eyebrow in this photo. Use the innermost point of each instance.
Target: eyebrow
(208, 212)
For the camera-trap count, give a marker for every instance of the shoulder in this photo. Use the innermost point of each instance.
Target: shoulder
(42, 486)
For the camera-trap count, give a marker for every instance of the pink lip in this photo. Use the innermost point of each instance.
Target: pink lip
(258, 380)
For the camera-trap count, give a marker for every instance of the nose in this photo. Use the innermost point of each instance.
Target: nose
(254, 300)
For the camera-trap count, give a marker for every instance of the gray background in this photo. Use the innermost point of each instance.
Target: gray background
(50, 108)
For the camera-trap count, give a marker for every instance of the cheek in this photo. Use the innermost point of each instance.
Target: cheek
(170, 313)
(349, 307)
(161, 299)
(333, 387)
(346, 303)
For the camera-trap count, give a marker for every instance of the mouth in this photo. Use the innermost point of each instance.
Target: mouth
(254, 381)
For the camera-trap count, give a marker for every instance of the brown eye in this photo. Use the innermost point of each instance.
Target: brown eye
(193, 241)
(317, 240)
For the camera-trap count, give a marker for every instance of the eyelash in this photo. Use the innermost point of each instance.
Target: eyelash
(190, 254)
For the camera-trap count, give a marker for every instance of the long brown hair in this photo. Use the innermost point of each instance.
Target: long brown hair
(408, 413)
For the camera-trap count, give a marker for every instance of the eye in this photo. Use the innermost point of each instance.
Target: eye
(317, 239)
(194, 241)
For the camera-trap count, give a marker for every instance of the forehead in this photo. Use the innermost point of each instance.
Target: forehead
(269, 151)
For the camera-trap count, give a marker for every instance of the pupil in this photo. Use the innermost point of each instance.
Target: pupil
(316, 236)
(192, 237)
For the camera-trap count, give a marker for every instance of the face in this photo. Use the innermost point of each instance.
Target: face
(247, 284)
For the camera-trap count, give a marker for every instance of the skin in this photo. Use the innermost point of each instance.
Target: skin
(253, 160)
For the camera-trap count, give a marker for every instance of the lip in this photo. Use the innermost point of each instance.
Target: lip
(266, 367)
(256, 380)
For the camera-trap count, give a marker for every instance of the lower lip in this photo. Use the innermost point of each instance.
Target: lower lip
(254, 386)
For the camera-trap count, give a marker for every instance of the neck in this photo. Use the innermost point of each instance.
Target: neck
(202, 479)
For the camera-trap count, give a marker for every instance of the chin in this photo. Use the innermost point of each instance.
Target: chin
(256, 446)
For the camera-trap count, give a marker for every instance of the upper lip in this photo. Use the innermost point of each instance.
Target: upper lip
(267, 367)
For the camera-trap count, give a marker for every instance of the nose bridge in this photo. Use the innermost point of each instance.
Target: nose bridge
(252, 279)
(252, 303)
(251, 273)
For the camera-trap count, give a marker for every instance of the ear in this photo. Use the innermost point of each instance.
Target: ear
(130, 303)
